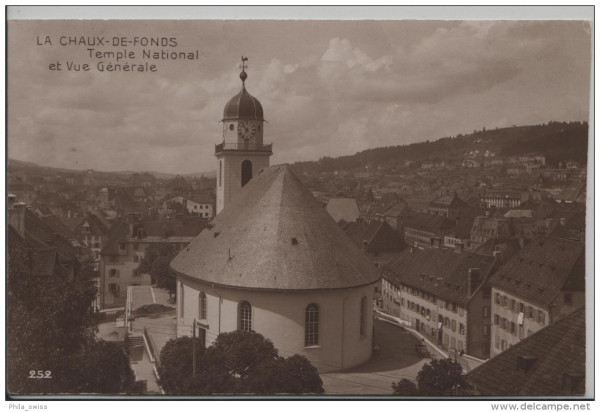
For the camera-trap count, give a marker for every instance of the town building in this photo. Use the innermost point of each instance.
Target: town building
(450, 206)
(40, 250)
(538, 285)
(126, 246)
(200, 204)
(444, 294)
(424, 230)
(395, 215)
(273, 261)
(503, 199)
(486, 228)
(550, 362)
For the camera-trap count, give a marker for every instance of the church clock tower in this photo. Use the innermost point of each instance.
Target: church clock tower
(242, 153)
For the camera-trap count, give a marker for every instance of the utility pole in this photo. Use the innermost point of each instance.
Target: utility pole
(194, 349)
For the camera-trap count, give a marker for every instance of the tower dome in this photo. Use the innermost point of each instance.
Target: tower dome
(243, 105)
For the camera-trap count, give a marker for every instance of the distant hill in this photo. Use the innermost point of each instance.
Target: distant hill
(557, 141)
(16, 165)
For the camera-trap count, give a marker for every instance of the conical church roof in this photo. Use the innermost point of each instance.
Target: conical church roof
(275, 236)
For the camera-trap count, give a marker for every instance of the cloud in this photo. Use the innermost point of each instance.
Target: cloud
(327, 89)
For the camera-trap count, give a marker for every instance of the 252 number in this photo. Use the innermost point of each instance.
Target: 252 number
(40, 374)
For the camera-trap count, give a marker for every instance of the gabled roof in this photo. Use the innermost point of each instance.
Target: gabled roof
(374, 237)
(441, 272)
(343, 208)
(276, 236)
(540, 270)
(448, 201)
(397, 210)
(56, 224)
(558, 349)
(96, 224)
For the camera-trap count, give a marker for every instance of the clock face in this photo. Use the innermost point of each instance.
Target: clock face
(246, 130)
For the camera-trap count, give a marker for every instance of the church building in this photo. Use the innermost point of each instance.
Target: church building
(273, 260)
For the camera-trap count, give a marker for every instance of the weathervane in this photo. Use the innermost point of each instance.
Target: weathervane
(243, 74)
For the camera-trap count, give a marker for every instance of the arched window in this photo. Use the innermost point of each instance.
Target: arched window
(311, 328)
(246, 172)
(202, 306)
(220, 173)
(245, 316)
(363, 316)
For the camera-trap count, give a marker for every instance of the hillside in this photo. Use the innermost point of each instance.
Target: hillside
(557, 141)
(15, 165)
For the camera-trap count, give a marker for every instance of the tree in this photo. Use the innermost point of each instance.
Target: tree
(441, 377)
(156, 262)
(242, 351)
(51, 331)
(238, 362)
(405, 387)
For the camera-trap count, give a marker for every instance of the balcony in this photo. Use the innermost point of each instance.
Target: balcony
(245, 147)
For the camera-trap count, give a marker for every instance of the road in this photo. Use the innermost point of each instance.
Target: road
(395, 360)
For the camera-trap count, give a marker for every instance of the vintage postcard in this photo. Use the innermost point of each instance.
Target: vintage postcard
(307, 208)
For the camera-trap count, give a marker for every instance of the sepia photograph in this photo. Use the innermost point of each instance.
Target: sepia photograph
(266, 207)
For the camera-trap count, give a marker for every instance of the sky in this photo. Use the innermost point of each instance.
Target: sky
(328, 88)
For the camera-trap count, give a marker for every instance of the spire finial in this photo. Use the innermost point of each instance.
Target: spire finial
(243, 74)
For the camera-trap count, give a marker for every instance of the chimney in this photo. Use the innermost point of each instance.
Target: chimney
(472, 280)
(16, 217)
(459, 247)
(525, 362)
(435, 242)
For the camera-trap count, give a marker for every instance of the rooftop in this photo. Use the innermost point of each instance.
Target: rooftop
(440, 272)
(557, 353)
(542, 268)
(275, 236)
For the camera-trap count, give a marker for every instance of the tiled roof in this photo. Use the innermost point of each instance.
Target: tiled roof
(429, 222)
(397, 210)
(519, 214)
(539, 271)
(380, 237)
(441, 272)
(56, 224)
(276, 236)
(37, 229)
(558, 349)
(29, 256)
(491, 226)
(448, 201)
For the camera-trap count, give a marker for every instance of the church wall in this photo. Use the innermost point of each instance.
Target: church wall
(280, 316)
